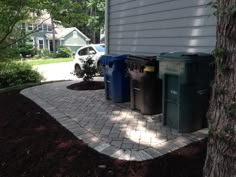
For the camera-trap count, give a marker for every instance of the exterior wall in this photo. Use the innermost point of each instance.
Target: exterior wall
(74, 48)
(74, 43)
(40, 35)
(149, 27)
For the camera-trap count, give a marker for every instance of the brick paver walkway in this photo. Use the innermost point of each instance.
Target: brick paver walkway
(112, 129)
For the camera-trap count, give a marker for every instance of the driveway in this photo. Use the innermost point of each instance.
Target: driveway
(58, 71)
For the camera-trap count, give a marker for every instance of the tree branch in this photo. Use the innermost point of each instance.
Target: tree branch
(14, 21)
(34, 30)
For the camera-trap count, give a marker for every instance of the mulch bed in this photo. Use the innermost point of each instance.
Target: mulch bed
(33, 144)
(87, 85)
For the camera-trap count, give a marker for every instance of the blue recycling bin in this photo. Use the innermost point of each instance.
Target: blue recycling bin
(116, 78)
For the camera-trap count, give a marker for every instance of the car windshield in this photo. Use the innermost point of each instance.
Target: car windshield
(100, 48)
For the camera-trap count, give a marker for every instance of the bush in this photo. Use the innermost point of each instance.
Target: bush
(43, 53)
(64, 52)
(10, 53)
(89, 70)
(14, 74)
(27, 50)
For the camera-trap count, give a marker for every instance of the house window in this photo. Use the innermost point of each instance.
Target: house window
(30, 27)
(49, 28)
(23, 27)
(75, 34)
(41, 44)
(45, 27)
(40, 28)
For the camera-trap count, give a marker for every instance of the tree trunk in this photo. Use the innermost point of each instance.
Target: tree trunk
(221, 150)
(97, 38)
(53, 36)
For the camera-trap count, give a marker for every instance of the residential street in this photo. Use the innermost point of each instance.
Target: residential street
(59, 71)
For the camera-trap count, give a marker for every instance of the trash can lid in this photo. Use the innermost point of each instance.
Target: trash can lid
(141, 59)
(107, 59)
(185, 56)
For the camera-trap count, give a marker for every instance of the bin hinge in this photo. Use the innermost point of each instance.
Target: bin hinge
(137, 89)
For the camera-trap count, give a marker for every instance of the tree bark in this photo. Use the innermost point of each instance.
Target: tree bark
(221, 150)
(53, 36)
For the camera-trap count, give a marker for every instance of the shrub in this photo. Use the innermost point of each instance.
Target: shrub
(14, 74)
(89, 69)
(43, 53)
(64, 52)
(27, 50)
(10, 53)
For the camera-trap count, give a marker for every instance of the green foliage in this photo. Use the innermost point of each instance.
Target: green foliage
(26, 50)
(219, 52)
(213, 5)
(64, 52)
(10, 53)
(96, 21)
(13, 12)
(44, 61)
(68, 12)
(231, 109)
(220, 55)
(14, 74)
(229, 11)
(42, 53)
(89, 69)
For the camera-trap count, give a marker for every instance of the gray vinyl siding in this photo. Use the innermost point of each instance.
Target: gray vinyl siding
(74, 43)
(153, 26)
(70, 41)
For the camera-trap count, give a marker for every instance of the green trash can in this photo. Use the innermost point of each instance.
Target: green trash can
(186, 89)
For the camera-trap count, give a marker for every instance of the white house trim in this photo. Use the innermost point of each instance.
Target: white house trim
(73, 45)
(40, 39)
(75, 29)
(48, 45)
(107, 4)
(30, 25)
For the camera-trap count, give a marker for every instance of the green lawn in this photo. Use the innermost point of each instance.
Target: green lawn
(34, 62)
(47, 61)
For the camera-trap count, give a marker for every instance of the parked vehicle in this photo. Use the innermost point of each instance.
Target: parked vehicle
(95, 51)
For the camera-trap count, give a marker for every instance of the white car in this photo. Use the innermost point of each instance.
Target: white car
(93, 50)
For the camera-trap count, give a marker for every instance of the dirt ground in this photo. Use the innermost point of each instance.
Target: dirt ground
(88, 85)
(33, 144)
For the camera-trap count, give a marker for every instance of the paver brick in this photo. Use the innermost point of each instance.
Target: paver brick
(118, 153)
(125, 155)
(144, 155)
(109, 127)
(116, 143)
(101, 147)
(127, 145)
(154, 153)
(109, 151)
(134, 156)
(105, 132)
(86, 136)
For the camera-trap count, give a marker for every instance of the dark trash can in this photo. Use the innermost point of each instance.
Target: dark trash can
(186, 89)
(145, 87)
(116, 78)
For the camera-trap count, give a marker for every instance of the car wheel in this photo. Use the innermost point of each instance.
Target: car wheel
(100, 69)
(78, 71)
